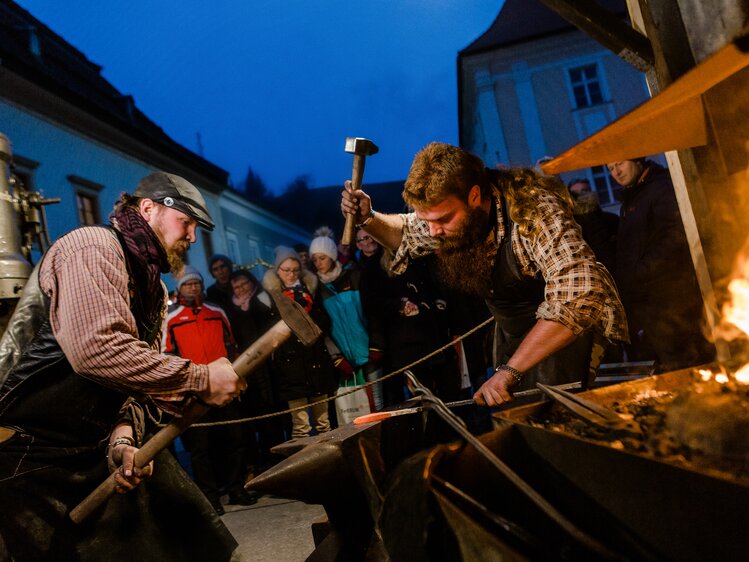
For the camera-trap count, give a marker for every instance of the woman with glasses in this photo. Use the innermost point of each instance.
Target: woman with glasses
(304, 374)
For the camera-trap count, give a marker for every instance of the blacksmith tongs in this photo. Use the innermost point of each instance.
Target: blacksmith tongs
(593, 413)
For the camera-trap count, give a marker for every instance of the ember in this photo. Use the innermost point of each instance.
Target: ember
(703, 425)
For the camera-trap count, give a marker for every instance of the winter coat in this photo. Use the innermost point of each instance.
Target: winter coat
(416, 317)
(201, 334)
(302, 372)
(372, 279)
(652, 257)
(248, 325)
(599, 230)
(348, 327)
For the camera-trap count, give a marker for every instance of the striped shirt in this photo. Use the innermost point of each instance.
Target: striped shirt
(85, 276)
(580, 293)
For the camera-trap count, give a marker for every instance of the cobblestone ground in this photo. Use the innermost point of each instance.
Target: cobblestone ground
(272, 530)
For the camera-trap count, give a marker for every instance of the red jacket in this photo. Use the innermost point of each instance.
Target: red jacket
(201, 337)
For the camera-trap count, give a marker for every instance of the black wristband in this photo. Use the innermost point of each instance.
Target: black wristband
(517, 376)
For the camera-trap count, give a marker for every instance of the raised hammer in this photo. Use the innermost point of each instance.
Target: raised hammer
(294, 321)
(360, 148)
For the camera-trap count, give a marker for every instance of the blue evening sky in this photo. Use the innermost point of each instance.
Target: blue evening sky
(279, 85)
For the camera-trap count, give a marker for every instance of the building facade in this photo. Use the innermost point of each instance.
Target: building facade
(76, 138)
(533, 85)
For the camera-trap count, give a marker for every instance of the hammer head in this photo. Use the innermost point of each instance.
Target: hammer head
(298, 321)
(358, 145)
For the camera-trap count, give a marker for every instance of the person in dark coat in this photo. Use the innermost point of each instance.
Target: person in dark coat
(416, 322)
(304, 374)
(654, 270)
(599, 228)
(220, 292)
(251, 315)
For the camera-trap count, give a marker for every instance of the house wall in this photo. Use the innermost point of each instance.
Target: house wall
(518, 104)
(61, 152)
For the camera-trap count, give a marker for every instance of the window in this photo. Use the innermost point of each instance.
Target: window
(253, 249)
(88, 212)
(232, 246)
(608, 192)
(586, 86)
(86, 199)
(207, 244)
(23, 169)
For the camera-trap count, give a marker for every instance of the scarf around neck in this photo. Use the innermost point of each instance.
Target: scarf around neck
(244, 302)
(331, 275)
(146, 256)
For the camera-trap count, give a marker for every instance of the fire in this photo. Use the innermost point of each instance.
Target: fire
(742, 375)
(737, 312)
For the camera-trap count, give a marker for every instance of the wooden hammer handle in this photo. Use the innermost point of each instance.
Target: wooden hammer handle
(193, 411)
(357, 174)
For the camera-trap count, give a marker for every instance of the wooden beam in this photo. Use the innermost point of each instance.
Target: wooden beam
(608, 29)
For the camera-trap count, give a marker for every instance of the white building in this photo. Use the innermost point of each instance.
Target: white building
(74, 136)
(533, 85)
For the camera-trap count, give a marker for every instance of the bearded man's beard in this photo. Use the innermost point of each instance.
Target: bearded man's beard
(466, 258)
(176, 257)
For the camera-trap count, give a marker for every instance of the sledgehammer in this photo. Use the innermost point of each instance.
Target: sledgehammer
(360, 148)
(293, 321)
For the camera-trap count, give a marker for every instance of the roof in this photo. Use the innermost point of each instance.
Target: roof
(31, 50)
(525, 20)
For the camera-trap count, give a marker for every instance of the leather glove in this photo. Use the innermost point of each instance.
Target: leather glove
(344, 368)
(375, 355)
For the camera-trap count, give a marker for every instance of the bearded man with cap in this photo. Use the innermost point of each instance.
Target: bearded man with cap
(82, 347)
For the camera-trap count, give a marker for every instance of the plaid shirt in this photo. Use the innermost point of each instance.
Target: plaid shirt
(85, 276)
(580, 293)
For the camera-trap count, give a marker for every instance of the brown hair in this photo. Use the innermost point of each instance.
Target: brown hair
(521, 187)
(440, 170)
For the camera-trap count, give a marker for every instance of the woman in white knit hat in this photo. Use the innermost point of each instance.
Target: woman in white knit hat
(339, 291)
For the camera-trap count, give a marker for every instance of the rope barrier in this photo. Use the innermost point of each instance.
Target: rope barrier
(257, 262)
(357, 389)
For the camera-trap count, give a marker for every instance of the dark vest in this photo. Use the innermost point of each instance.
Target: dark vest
(41, 394)
(513, 300)
(513, 297)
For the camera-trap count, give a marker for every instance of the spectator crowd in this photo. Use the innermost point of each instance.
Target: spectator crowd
(89, 349)
(375, 322)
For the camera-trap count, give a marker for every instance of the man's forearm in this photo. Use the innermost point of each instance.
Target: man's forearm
(545, 338)
(386, 229)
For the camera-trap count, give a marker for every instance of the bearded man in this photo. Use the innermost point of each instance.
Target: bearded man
(507, 235)
(83, 341)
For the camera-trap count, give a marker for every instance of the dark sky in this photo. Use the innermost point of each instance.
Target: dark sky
(279, 85)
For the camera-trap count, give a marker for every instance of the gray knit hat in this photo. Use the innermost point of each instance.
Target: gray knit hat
(189, 273)
(284, 253)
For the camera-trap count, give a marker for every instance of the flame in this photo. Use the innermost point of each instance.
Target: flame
(742, 375)
(737, 312)
(706, 374)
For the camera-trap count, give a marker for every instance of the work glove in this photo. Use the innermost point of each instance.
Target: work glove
(375, 355)
(344, 368)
